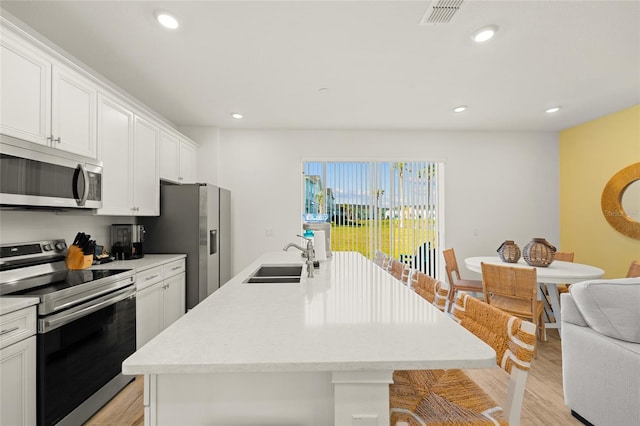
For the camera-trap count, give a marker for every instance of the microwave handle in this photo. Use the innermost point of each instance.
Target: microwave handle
(85, 176)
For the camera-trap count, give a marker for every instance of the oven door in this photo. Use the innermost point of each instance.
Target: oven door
(82, 349)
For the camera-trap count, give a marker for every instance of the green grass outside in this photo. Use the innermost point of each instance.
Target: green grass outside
(406, 239)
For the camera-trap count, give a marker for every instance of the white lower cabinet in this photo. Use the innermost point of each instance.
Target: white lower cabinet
(18, 368)
(160, 300)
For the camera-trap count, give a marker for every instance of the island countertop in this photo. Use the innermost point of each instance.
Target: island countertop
(351, 316)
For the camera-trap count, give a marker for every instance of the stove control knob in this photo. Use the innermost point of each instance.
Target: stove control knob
(47, 247)
(60, 246)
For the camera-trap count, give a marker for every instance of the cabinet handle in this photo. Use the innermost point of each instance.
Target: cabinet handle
(58, 139)
(50, 138)
(180, 178)
(3, 332)
(176, 267)
(151, 277)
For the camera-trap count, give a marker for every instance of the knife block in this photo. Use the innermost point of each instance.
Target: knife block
(77, 260)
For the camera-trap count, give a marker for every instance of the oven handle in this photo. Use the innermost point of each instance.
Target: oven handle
(47, 324)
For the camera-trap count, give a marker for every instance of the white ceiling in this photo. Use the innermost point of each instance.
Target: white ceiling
(383, 70)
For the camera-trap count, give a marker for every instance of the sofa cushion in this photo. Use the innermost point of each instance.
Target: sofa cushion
(610, 307)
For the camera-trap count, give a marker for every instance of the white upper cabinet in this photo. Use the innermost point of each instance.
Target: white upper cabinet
(169, 154)
(48, 100)
(178, 159)
(188, 162)
(73, 108)
(25, 91)
(44, 101)
(129, 153)
(146, 178)
(115, 139)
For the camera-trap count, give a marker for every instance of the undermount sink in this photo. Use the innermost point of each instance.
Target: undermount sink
(271, 274)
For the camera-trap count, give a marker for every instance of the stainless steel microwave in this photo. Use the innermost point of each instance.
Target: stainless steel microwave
(33, 175)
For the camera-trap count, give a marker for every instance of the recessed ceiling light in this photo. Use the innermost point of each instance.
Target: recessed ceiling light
(485, 33)
(461, 108)
(167, 20)
(236, 115)
(552, 110)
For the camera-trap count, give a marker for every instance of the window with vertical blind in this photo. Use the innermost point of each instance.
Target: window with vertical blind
(391, 206)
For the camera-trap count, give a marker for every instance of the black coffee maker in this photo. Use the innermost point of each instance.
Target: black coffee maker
(126, 240)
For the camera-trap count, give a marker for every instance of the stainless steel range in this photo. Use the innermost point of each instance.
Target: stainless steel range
(86, 328)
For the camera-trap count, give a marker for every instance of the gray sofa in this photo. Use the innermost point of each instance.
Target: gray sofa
(601, 351)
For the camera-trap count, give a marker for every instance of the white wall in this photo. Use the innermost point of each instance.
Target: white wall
(497, 185)
(207, 138)
(25, 226)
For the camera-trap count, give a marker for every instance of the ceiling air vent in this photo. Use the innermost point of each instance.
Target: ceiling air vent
(441, 11)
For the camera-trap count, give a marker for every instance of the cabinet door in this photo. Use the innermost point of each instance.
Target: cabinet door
(25, 92)
(187, 163)
(115, 139)
(146, 179)
(73, 107)
(18, 383)
(149, 313)
(174, 298)
(169, 152)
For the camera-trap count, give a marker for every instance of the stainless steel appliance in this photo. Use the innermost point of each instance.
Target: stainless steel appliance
(126, 240)
(33, 175)
(86, 328)
(194, 219)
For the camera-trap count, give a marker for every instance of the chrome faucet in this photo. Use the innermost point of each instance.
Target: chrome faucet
(309, 253)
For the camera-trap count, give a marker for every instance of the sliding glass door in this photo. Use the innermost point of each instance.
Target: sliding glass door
(391, 206)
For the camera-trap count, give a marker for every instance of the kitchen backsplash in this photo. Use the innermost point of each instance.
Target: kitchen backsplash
(23, 226)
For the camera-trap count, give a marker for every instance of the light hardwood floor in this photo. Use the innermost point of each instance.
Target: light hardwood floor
(543, 405)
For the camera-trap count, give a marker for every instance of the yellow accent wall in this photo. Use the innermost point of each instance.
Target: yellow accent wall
(590, 154)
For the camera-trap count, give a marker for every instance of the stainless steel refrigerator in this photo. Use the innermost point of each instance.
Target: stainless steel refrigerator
(195, 219)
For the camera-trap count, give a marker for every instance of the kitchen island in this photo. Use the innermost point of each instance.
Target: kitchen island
(318, 352)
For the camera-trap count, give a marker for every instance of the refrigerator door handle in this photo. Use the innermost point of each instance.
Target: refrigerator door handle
(213, 241)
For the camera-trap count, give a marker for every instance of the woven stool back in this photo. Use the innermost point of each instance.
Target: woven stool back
(379, 258)
(396, 268)
(430, 289)
(513, 342)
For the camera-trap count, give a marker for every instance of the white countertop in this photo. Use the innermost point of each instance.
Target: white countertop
(14, 303)
(139, 265)
(351, 316)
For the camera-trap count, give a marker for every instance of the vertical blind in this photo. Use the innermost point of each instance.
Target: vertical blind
(390, 206)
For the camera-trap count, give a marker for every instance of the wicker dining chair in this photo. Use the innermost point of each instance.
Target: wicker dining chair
(439, 397)
(563, 256)
(515, 291)
(456, 282)
(430, 289)
(634, 270)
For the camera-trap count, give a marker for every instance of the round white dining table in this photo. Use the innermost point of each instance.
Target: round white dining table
(557, 273)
